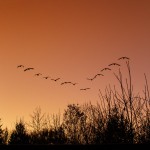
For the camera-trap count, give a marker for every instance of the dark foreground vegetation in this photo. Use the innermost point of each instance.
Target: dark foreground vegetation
(120, 117)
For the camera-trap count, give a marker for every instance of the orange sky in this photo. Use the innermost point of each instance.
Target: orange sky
(70, 39)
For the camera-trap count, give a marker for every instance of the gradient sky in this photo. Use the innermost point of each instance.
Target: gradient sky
(70, 39)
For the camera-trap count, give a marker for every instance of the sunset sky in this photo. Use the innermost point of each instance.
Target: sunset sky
(71, 40)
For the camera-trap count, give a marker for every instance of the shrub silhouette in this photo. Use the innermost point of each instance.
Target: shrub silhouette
(145, 131)
(117, 129)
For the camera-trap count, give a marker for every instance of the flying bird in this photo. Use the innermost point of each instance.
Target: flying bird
(114, 64)
(65, 83)
(90, 79)
(74, 83)
(20, 66)
(85, 89)
(123, 58)
(99, 74)
(38, 74)
(105, 69)
(95, 77)
(45, 77)
(28, 69)
(55, 79)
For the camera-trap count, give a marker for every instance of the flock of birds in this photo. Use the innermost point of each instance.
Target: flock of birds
(68, 82)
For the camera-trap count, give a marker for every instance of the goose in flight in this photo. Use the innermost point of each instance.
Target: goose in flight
(90, 79)
(65, 83)
(99, 74)
(28, 69)
(38, 74)
(20, 66)
(74, 83)
(114, 64)
(95, 77)
(105, 69)
(123, 58)
(55, 79)
(85, 89)
(46, 77)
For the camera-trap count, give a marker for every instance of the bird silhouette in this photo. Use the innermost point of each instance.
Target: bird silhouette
(46, 77)
(65, 83)
(38, 74)
(20, 66)
(85, 89)
(91, 79)
(123, 58)
(74, 83)
(99, 74)
(95, 77)
(55, 79)
(114, 64)
(28, 69)
(105, 69)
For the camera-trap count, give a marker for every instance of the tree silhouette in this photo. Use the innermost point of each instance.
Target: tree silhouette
(5, 136)
(59, 136)
(38, 120)
(73, 122)
(19, 135)
(94, 124)
(1, 133)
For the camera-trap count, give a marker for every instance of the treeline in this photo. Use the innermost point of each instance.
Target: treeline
(81, 125)
(119, 117)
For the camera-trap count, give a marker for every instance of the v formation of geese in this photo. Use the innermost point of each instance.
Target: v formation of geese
(69, 82)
